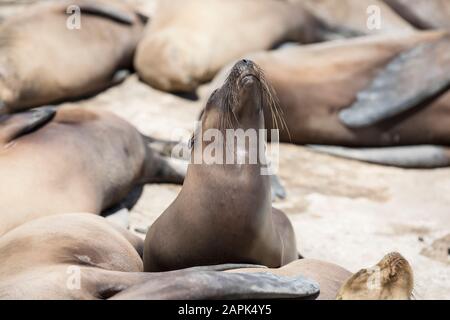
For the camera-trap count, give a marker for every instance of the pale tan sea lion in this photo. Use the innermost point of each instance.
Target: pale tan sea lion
(375, 91)
(390, 279)
(82, 256)
(223, 213)
(188, 41)
(43, 61)
(424, 14)
(72, 160)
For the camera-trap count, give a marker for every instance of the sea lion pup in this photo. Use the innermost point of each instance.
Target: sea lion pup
(188, 41)
(223, 213)
(358, 15)
(64, 63)
(329, 276)
(82, 256)
(71, 160)
(390, 279)
(423, 14)
(376, 91)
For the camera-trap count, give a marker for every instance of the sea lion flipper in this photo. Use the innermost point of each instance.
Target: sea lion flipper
(16, 125)
(424, 156)
(225, 267)
(221, 285)
(410, 79)
(107, 11)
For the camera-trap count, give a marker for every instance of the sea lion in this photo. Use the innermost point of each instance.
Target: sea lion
(358, 15)
(71, 160)
(329, 276)
(224, 213)
(375, 91)
(63, 63)
(390, 279)
(424, 14)
(188, 41)
(82, 256)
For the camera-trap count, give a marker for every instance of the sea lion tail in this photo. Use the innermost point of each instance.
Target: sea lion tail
(424, 156)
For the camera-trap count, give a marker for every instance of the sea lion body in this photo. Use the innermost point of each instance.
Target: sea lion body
(315, 83)
(43, 61)
(82, 256)
(223, 213)
(79, 161)
(189, 41)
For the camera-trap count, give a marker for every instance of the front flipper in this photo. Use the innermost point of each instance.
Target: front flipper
(16, 125)
(409, 80)
(425, 157)
(188, 285)
(107, 11)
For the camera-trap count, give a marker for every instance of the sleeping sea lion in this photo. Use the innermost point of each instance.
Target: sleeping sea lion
(188, 41)
(43, 61)
(375, 91)
(82, 256)
(71, 160)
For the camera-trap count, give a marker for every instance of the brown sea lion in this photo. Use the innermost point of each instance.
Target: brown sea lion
(72, 160)
(424, 14)
(82, 256)
(44, 60)
(377, 91)
(224, 213)
(358, 15)
(188, 41)
(390, 279)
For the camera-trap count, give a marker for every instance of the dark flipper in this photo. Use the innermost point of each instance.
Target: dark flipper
(107, 11)
(410, 79)
(19, 124)
(225, 267)
(426, 156)
(188, 285)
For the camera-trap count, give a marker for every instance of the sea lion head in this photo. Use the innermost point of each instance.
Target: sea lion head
(240, 101)
(390, 279)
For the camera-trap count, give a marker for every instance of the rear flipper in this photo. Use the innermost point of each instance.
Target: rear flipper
(16, 125)
(419, 157)
(207, 285)
(409, 80)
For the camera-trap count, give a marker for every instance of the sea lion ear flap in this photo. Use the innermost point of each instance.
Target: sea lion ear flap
(107, 11)
(16, 125)
(410, 79)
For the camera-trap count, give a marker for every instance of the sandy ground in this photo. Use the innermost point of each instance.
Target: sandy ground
(343, 211)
